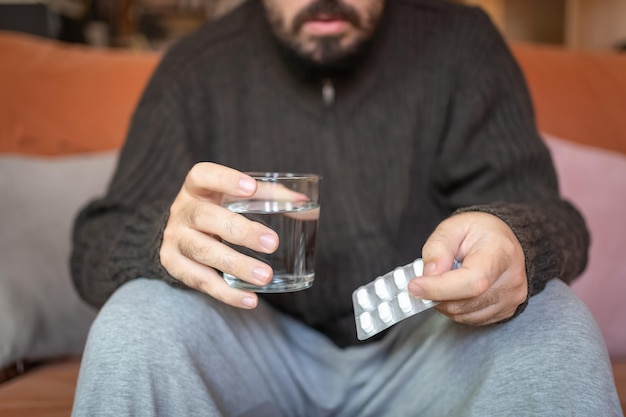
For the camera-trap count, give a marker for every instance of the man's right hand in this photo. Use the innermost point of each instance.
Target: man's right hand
(192, 250)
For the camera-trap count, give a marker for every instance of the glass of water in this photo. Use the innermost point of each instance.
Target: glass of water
(289, 204)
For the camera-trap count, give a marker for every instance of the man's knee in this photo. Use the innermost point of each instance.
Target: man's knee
(556, 318)
(550, 357)
(142, 318)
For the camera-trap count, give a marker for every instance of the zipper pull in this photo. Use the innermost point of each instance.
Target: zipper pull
(328, 92)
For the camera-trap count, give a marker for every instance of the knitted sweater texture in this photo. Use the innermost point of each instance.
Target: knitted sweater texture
(435, 120)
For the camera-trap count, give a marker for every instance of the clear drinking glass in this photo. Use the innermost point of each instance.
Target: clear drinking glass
(289, 204)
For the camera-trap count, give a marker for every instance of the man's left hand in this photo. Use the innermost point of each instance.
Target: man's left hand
(492, 282)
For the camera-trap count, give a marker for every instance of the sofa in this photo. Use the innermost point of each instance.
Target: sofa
(64, 111)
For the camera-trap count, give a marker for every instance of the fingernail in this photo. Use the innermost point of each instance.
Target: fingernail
(261, 274)
(430, 268)
(248, 302)
(247, 185)
(268, 242)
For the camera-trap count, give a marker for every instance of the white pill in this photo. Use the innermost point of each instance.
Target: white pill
(363, 298)
(418, 267)
(399, 277)
(367, 323)
(380, 286)
(404, 302)
(384, 312)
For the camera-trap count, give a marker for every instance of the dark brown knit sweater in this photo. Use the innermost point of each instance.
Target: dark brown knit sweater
(434, 120)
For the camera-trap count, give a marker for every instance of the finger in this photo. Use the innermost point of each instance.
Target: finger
(205, 179)
(488, 315)
(209, 281)
(272, 191)
(305, 215)
(208, 251)
(215, 220)
(497, 304)
(457, 284)
(470, 305)
(442, 247)
(275, 191)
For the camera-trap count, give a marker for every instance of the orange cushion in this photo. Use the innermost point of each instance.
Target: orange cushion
(57, 98)
(578, 96)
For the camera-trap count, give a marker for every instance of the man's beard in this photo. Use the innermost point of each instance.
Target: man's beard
(328, 53)
(335, 59)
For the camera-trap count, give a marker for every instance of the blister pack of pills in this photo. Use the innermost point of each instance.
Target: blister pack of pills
(386, 300)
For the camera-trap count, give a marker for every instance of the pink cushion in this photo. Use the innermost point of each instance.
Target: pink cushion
(594, 180)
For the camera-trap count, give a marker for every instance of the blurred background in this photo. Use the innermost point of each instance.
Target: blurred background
(597, 25)
(137, 24)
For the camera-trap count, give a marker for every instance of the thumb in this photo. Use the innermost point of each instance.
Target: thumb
(441, 248)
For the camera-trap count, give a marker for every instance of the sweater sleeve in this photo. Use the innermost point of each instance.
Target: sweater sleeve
(117, 238)
(492, 160)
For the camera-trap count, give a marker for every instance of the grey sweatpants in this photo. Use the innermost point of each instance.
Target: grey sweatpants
(158, 350)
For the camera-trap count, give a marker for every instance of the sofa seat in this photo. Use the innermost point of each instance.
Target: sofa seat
(46, 390)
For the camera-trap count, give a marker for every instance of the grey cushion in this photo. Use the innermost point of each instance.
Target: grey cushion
(41, 316)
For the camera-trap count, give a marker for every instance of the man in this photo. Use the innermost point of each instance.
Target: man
(418, 119)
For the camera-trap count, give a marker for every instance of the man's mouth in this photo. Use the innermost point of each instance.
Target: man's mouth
(326, 18)
(325, 25)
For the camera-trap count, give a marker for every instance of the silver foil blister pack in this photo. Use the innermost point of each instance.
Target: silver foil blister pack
(386, 300)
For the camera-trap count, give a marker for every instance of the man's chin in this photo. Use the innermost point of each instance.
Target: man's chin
(328, 54)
